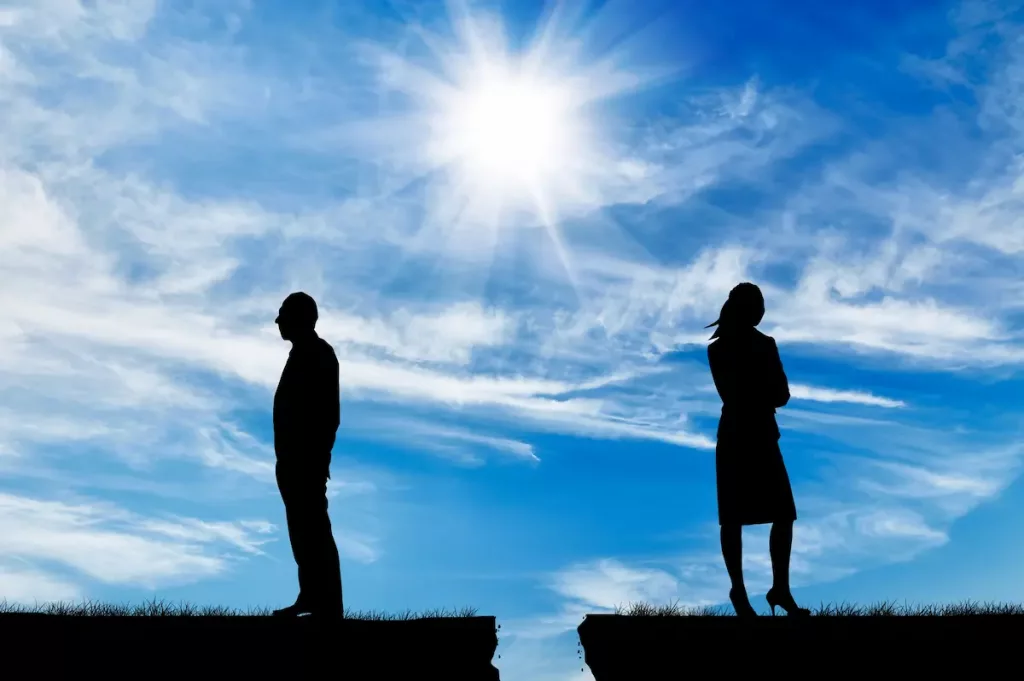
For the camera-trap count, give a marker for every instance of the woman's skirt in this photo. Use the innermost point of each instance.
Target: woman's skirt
(753, 484)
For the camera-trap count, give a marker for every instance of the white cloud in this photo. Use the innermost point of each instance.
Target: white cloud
(28, 587)
(806, 392)
(595, 587)
(224, 447)
(113, 546)
(459, 444)
(609, 584)
(952, 479)
(446, 335)
(66, 22)
(358, 547)
(193, 530)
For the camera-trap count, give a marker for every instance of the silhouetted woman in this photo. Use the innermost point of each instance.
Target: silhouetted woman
(753, 485)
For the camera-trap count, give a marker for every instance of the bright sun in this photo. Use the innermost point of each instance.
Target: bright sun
(508, 133)
(500, 138)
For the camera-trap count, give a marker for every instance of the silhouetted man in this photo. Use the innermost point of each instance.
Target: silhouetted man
(307, 412)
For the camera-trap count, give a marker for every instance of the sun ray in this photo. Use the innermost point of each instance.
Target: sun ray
(550, 223)
(506, 140)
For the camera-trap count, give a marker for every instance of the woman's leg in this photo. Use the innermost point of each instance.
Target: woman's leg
(780, 546)
(732, 552)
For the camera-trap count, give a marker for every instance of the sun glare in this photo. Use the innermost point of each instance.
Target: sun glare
(508, 133)
(505, 138)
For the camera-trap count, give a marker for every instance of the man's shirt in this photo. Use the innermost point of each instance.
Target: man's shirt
(307, 404)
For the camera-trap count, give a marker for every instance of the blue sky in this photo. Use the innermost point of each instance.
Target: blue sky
(527, 417)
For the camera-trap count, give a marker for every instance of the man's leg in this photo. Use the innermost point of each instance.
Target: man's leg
(328, 567)
(296, 509)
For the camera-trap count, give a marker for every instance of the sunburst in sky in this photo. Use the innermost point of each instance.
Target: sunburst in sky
(509, 138)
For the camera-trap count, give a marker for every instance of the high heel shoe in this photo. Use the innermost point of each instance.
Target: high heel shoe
(741, 604)
(785, 602)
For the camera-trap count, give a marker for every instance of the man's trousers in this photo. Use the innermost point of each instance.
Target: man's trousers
(304, 493)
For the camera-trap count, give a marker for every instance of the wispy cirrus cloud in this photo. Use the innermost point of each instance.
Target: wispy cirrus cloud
(28, 586)
(813, 394)
(110, 545)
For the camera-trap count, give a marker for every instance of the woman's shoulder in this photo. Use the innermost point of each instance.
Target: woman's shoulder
(762, 337)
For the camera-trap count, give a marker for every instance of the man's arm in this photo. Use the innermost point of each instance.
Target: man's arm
(322, 414)
(314, 411)
(779, 381)
(332, 393)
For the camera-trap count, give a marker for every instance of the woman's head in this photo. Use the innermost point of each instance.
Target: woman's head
(744, 309)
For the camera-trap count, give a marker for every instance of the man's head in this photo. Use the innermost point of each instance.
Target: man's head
(297, 316)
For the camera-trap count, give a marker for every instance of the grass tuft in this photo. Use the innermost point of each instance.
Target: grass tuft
(163, 609)
(882, 609)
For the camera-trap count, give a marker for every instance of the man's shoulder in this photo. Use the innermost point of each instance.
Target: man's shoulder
(316, 351)
(326, 351)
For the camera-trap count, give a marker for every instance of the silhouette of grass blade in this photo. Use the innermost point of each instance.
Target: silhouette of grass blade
(880, 609)
(156, 608)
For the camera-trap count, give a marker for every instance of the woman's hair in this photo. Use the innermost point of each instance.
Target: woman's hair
(743, 309)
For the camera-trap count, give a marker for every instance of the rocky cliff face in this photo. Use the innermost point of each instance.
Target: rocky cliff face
(623, 648)
(51, 646)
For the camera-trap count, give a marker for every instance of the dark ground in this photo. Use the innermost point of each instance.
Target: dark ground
(198, 646)
(978, 643)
